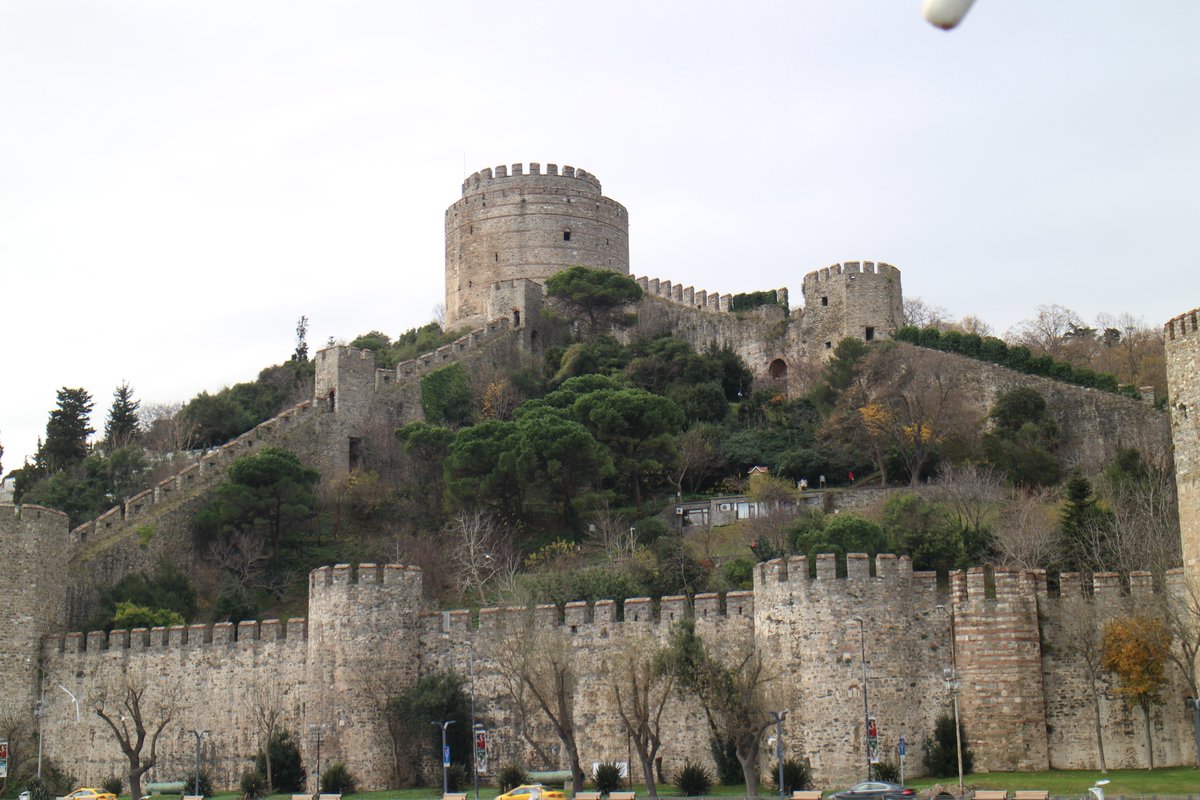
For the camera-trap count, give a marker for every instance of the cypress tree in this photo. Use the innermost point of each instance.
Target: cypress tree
(68, 430)
(122, 423)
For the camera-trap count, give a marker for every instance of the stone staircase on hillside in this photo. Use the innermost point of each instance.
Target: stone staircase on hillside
(120, 522)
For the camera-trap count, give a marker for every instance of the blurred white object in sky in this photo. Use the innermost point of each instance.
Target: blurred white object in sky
(945, 14)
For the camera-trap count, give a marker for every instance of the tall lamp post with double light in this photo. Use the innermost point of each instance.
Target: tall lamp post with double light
(474, 725)
(476, 728)
(199, 735)
(778, 717)
(862, 644)
(952, 683)
(444, 724)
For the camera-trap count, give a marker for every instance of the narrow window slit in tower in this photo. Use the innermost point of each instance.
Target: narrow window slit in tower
(825, 301)
(566, 236)
(870, 334)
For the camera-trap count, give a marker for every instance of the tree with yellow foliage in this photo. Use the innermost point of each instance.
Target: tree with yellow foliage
(1135, 649)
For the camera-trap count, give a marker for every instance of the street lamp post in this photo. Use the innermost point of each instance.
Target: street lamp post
(952, 682)
(199, 735)
(474, 731)
(862, 644)
(39, 711)
(444, 724)
(778, 716)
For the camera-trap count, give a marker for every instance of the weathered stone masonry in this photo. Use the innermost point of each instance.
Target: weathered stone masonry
(1182, 336)
(1024, 697)
(366, 635)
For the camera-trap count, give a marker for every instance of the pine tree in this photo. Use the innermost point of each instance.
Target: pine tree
(122, 423)
(301, 354)
(1083, 530)
(68, 430)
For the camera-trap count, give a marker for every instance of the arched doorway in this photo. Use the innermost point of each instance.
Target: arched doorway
(777, 370)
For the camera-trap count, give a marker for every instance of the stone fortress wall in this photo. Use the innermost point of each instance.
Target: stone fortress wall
(527, 225)
(1021, 687)
(1023, 697)
(1182, 336)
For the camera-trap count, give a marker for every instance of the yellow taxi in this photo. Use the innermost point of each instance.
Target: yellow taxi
(88, 793)
(533, 791)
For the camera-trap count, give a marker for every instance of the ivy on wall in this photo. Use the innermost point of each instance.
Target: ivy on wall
(446, 396)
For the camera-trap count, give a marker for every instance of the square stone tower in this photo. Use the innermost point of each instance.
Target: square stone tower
(1182, 336)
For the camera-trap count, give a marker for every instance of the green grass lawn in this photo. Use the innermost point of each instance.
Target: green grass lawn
(1178, 781)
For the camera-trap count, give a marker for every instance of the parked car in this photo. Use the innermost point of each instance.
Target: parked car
(876, 790)
(533, 791)
(88, 793)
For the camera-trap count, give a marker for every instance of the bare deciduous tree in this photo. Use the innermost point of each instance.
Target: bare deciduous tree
(1025, 531)
(1083, 636)
(242, 555)
(167, 430)
(642, 690)
(267, 710)
(972, 491)
(974, 325)
(500, 399)
(612, 533)
(699, 456)
(1049, 331)
(923, 314)
(1181, 610)
(1144, 521)
(136, 721)
(907, 400)
(482, 551)
(732, 693)
(539, 667)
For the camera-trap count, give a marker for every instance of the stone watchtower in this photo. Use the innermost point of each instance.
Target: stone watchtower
(511, 227)
(1182, 336)
(34, 588)
(859, 299)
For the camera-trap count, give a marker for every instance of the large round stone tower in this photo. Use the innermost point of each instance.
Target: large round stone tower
(517, 225)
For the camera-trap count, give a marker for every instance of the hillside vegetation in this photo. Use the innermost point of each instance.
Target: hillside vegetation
(556, 479)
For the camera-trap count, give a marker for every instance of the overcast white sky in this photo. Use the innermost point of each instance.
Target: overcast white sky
(180, 181)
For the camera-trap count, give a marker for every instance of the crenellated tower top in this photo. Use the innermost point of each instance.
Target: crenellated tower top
(526, 223)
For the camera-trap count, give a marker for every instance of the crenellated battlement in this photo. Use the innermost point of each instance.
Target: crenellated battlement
(851, 268)
(982, 585)
(582, 617)
(488, 176)
(890, 570)
(246, 633)
(1183, 325)
(676, 293)
(211, 466)
(447, 354)
(340, 576)
(32, 513)
(702, 300)
(1109, 586)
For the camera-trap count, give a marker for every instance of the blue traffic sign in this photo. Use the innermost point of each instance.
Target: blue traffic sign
(445, 755)
(903, 747)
